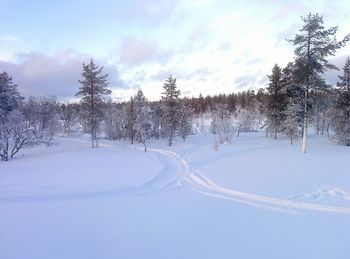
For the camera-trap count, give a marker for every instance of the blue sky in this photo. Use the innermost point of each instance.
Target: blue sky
(211, 46)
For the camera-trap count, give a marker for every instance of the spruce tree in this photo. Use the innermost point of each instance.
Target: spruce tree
(143, 120)
(276, 101)
(171, 114)
(93, 90)
(292, 123)
(314, 44)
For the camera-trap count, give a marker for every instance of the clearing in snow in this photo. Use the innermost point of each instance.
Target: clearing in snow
(255, 198)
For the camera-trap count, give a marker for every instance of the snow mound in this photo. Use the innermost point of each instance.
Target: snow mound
(324, 195)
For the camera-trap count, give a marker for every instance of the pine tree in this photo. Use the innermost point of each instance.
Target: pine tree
(93, 90)
(342, 107)
(276, 101)
(314, 44)
(171, 102)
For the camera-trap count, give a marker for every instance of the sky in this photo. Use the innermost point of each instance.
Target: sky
(210, 46)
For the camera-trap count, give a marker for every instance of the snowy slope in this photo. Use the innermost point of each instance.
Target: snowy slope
(252, 199)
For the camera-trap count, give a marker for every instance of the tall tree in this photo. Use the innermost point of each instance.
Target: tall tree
(313, 45)
(342, 107)
(93, 90)
(276, 101)
(171, 101)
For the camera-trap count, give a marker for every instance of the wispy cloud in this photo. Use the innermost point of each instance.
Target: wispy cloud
(10, 39)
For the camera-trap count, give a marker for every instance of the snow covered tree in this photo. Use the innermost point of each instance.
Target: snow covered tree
(293, 118)
(115, 122)
(143, 120)
(69, 114)
(185, 120)
(30, 110)
(131, 118)
(42, 114)
(246, 119)
(14, 134)
(322, 103)
(93, 90)
(314, 44)
(171, 108)
(276, 101)
(49, 119)
(342, 107)
(222, 124)
(292, 122)
(10, 98)
(157, 112)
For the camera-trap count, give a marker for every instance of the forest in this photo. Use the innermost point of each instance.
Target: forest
(296, 98)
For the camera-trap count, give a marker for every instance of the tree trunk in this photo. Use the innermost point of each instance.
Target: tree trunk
(275, 129)
(238, 131)
(304, 143)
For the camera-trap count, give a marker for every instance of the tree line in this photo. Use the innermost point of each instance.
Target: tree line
(296, 97)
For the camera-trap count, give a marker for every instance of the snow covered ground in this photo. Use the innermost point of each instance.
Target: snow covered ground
(255, 198)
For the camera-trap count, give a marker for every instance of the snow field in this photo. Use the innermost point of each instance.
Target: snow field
(187, 201)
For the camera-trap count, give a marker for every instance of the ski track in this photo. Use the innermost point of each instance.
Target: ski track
(198, 182)
(167, 179)
(177, 173)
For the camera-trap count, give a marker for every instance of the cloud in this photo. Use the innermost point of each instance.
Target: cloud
(245, 81)
(162, 75)
(289, 9)
(147, 13)
(39, 74)
(332, 76)
(134, 51)
(10, 39)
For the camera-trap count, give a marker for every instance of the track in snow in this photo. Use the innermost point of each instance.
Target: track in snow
(177, 172)
(191, 176)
